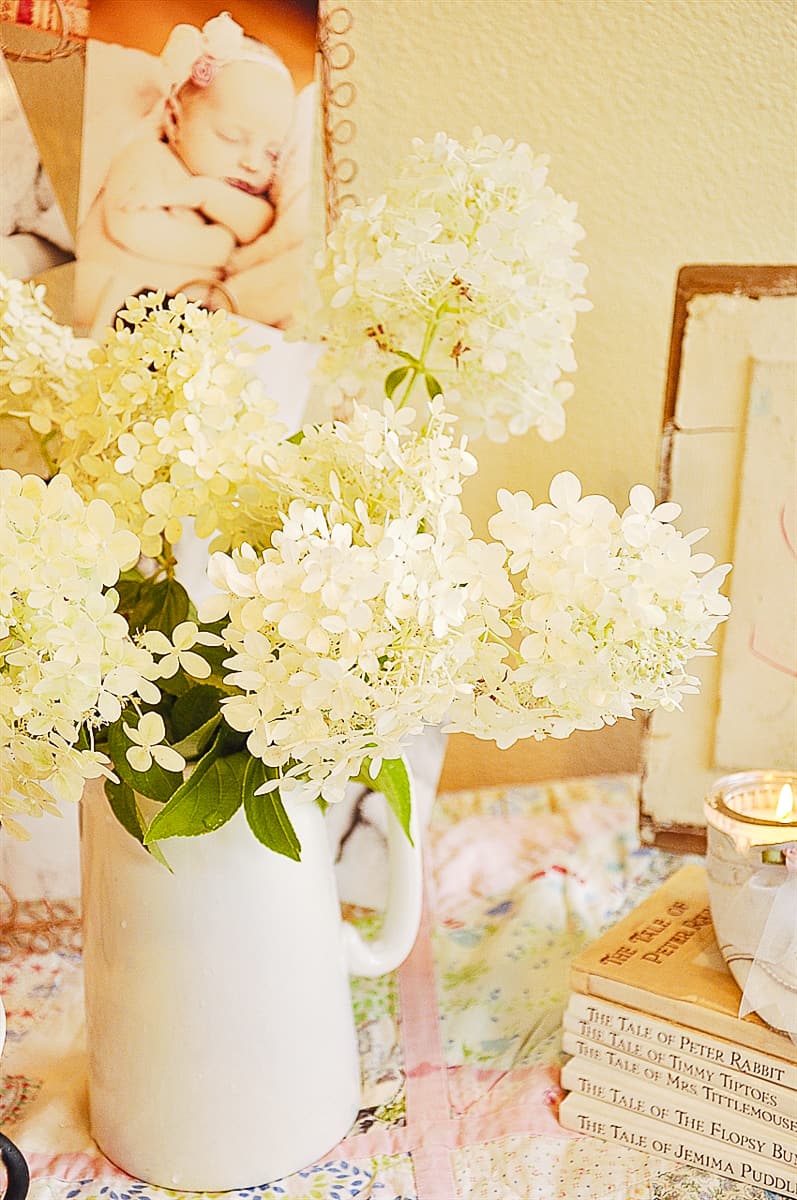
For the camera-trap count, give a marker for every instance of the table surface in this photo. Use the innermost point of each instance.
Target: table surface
(460, 1049)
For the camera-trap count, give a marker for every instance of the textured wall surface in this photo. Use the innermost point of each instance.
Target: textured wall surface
(673, 124)
(670, 122)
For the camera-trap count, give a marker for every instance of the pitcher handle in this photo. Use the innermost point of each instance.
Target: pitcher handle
(377, 956)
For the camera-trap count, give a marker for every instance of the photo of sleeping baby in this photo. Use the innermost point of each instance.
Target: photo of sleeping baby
(34, 235)
(195, 175)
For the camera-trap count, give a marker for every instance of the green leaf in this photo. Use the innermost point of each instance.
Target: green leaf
(229, 740)
(159, 606)
(122, 800)
(196, 743)
(156, 852)
(433, 387)
(394, 379)
(129, 591)
(155, 783)
(124, 807)
(194, 709)
(393, 783)
(177, 684)
(267, 817)
(206, 800)
(271, 825)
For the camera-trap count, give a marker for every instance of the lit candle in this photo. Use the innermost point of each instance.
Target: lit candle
(754, 808)
(785, 807)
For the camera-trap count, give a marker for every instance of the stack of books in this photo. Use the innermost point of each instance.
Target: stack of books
(662, 1062)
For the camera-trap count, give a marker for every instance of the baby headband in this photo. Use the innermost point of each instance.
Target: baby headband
(195, 55)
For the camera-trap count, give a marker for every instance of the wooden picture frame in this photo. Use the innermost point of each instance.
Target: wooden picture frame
(726, 320)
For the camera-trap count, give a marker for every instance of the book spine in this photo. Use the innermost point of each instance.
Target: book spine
(582, 1114)
(625, 1027)
(687, 1115)
(686, 1076)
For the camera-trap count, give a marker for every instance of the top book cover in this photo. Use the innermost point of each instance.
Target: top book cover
(663, 959)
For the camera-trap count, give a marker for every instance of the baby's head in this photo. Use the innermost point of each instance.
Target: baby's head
(230, 117)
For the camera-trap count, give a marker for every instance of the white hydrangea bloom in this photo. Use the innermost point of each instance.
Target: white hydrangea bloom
(349, 627)
(374, 456)
(168, 421)
(66, 657)
(364, 607)
(41, 363)
(356, 603)
(610, 607)
(467, 263)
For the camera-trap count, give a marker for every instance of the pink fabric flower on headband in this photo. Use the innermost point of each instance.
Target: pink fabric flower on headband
(199, 54)
(203, 70)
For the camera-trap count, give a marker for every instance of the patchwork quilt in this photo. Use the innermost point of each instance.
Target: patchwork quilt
(460, 1048)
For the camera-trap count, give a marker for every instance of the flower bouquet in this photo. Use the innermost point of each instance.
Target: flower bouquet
(352, 603)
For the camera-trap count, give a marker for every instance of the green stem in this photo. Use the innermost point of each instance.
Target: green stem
(510, 649)
(166, 565)
(419, 368)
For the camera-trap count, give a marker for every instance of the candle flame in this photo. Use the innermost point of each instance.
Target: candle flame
(785, 808)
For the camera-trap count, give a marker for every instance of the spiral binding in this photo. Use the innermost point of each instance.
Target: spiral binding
(338, 95)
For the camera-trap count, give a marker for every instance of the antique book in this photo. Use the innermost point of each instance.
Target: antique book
(668, 1044)
(600, 1119)
(737, 1123)
(681, 1074)
(663, 960)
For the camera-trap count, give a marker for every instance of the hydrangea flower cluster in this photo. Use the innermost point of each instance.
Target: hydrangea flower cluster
(167, 420)
(349, 629)
(66, 656)
(41, 363)
(373, 610)
(609, 609)
(354, 604)
(375, 457)
(463, 272)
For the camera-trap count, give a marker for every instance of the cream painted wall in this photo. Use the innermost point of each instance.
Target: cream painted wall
(673, 124)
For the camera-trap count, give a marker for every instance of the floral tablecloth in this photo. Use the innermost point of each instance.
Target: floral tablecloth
(460, 1048)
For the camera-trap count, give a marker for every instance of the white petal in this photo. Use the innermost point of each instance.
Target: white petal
(642, 499)
(565, 489)
(168, 758)
(194, 665)
(156, 642)
(184, 635)
(132, 733)
(151, 728)
(139, 758)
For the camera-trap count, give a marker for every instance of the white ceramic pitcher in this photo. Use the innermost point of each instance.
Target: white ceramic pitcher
(222, 1048)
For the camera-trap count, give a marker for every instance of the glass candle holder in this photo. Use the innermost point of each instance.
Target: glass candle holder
(751, 862)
